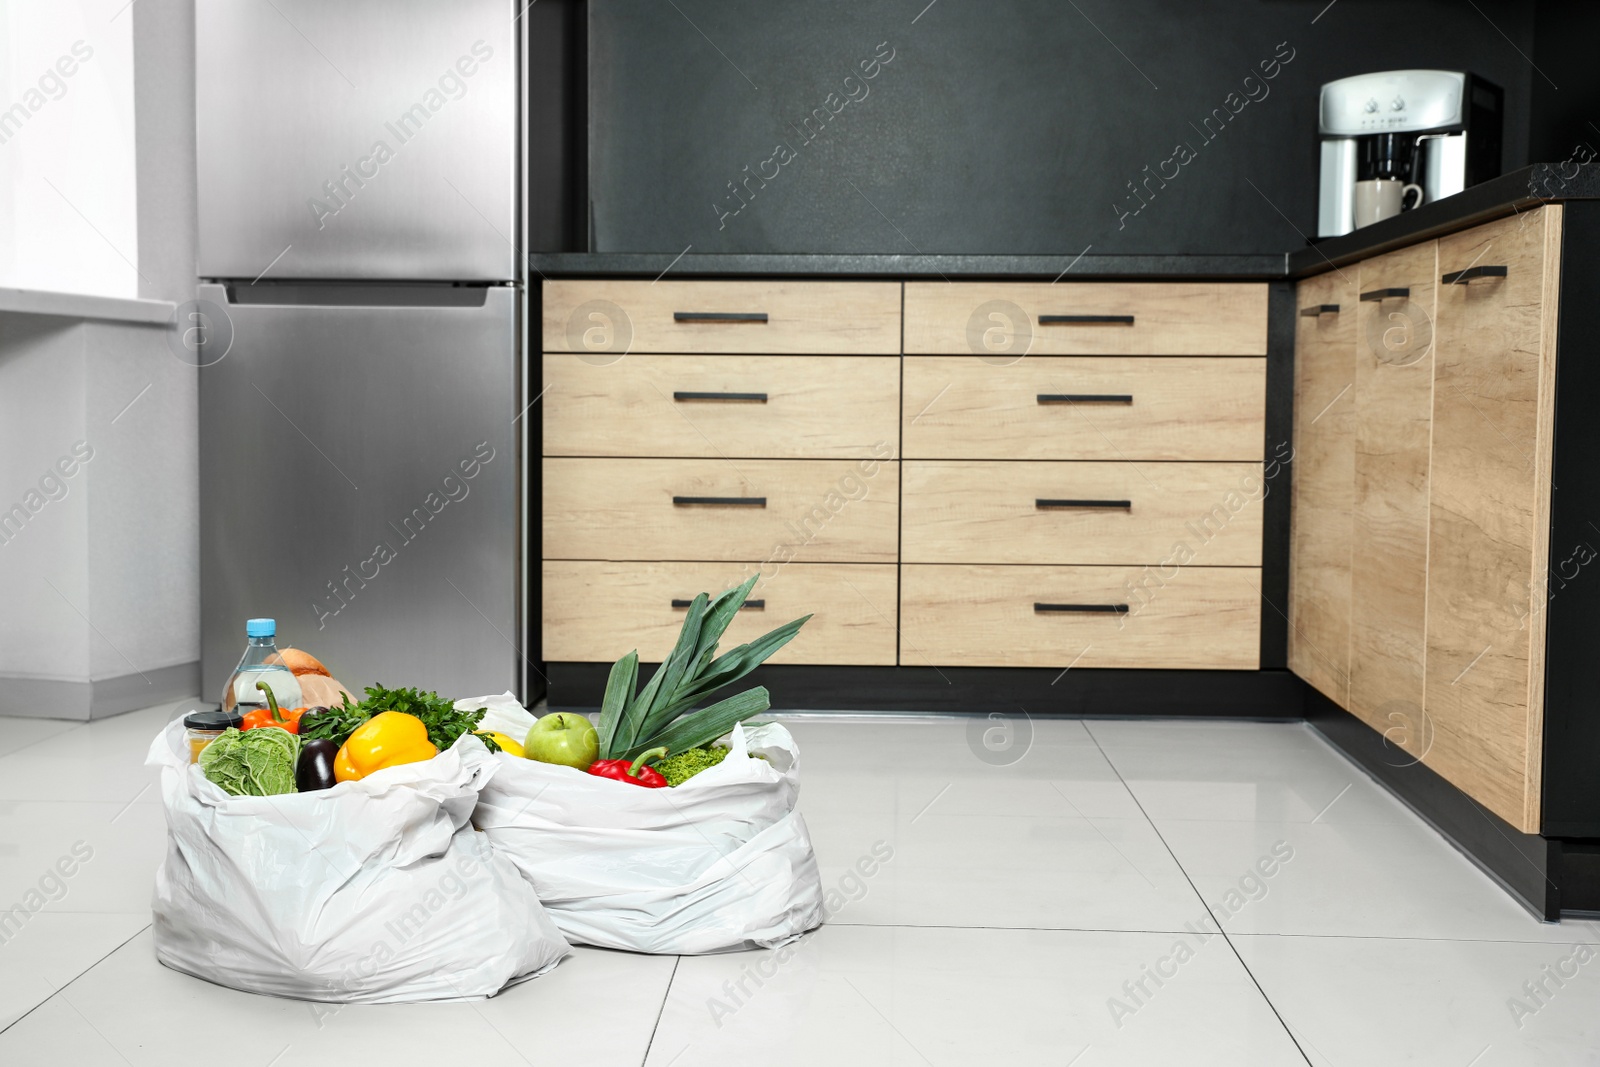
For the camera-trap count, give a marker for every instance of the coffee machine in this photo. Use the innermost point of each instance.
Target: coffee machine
(1438, 129)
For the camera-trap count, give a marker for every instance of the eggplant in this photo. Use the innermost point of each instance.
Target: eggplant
(314, 770)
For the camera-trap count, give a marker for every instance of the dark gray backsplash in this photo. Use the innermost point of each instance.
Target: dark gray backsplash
(1008, 126)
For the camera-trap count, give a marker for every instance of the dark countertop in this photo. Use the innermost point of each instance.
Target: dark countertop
(1497, 197)
(1044, 268)
(1517, 191)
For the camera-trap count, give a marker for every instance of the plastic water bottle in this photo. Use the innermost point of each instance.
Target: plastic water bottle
(261, 663)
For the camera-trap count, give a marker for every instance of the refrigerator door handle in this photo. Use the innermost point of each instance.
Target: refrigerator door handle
(358, 295)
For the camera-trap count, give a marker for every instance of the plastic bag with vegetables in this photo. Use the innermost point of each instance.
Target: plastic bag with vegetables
(376, 890)
(256, 763)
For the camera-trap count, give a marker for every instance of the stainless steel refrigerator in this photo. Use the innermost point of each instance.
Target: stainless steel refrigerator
(358, 337)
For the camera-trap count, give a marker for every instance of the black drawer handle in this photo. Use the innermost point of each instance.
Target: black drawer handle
(1043, 503)
(759, 398)
(1473, 272)
(1085, 398)
(1319, 309)
(1085, 320)
(721, 501)
(719, 316)
(1093, 609)
(1385, 294)
(756, 605)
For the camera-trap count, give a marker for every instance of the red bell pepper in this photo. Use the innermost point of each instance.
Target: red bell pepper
(635, 773)
(272, 715)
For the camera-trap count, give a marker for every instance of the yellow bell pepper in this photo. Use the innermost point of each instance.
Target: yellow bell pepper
(388, 739)
(508, 746)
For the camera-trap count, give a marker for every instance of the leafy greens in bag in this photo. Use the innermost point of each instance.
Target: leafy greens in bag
(258, 763)
(445, 724)
(659, 716)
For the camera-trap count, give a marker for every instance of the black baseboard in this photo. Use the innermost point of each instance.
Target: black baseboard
(1038, 691)
(1529, 866)
(1580, 878)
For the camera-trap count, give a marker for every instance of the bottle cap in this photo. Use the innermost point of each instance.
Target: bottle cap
(261, 628)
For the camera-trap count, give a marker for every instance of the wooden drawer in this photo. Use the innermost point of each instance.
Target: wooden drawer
(608, 319)
(1003, 321)
(598, 611)
(722, 406)
(777, 510)
(1102, 513)
(1179, 617)
(1180, 408)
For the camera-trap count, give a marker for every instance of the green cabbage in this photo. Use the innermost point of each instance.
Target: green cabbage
(258, 762)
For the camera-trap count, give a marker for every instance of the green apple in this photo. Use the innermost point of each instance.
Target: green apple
(564, 738)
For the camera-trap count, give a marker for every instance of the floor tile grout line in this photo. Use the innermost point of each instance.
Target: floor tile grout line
(48, 910)
(1199, 896)
(666, 995)
(68, 984)
(1008, 929)
(1236, 933)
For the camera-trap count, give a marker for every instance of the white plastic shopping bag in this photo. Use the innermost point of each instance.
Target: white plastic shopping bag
(375, 891)
(502, 714)
(721, 862)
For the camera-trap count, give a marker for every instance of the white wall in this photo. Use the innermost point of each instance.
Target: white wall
(99, 591)
(143, 520)
(42, 398)
(68, 195)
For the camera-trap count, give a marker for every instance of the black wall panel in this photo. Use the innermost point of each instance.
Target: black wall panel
(1007, 126)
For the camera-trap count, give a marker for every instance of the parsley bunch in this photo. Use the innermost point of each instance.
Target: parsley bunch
(445, 724)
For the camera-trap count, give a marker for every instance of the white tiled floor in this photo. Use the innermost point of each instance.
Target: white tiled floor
(1024, 907)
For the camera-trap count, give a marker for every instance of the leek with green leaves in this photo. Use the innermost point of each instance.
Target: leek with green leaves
(660, 715)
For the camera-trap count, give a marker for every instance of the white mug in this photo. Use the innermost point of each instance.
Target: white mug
(1382, 198)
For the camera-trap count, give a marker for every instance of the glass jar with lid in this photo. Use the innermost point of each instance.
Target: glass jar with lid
(203, 727)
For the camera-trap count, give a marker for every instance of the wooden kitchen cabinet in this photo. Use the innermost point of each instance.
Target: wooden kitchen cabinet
(1389, 558)
(1489, 510)
(695, 430)
(1421, 510)
(1323, 490)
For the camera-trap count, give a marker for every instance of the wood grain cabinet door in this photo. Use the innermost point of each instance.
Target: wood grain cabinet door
(1322, 495)
(1389, 548)
(1489, 511)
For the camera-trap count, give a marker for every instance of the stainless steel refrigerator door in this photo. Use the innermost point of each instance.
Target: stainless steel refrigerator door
(358, 474)
(356, 139)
